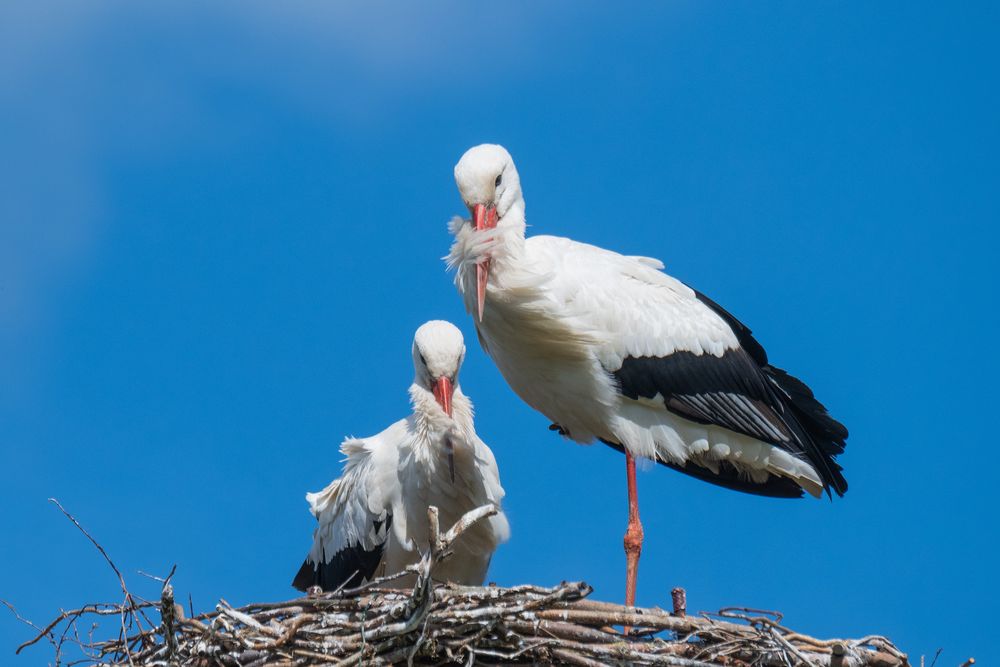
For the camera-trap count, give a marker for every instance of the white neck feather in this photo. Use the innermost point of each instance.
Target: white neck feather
(503, 245)
(431, 421)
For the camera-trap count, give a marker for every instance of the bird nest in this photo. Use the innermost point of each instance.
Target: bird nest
(443, 624)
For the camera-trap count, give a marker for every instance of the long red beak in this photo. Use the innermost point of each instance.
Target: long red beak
(483, 218)
(443, 390)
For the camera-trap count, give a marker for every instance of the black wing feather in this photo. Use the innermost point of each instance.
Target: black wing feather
(729, 391)
(744, 393)
(743, 333)
(349, 567)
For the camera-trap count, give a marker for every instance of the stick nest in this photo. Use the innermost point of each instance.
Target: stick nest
(445, 624)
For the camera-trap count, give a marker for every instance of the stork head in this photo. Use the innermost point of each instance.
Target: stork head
(438, 352)
(490, 187)
(488, 182)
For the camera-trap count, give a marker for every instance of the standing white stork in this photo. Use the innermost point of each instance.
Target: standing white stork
(376, 513)
(609, 347)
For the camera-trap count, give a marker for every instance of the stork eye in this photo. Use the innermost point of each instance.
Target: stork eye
(422, 360)
(498, 181)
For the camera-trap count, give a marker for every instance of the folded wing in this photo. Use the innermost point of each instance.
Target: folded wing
(663, 341)
(354, 520)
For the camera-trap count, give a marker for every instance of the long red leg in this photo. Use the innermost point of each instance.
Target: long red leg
(633, 533)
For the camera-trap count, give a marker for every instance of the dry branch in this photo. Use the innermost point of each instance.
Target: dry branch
(443, 624)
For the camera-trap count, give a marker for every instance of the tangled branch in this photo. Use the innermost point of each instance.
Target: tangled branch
(442, 624)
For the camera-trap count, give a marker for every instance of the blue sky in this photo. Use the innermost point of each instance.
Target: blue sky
(220, 226)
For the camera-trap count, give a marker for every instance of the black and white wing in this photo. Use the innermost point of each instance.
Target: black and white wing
(663, 341)
(354, 516)
(743, 393)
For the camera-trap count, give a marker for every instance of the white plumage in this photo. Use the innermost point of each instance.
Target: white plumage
(373, 519)
(562, 318)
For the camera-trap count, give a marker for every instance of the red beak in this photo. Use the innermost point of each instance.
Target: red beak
(483, 218)
(443, 390)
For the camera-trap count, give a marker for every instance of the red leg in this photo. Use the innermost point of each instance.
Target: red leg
(633, 534)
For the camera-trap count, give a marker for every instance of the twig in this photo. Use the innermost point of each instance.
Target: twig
(129, 602)
(439, 624)
(121, 579)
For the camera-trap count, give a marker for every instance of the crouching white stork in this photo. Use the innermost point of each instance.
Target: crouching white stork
(373, 520)
(609, 347)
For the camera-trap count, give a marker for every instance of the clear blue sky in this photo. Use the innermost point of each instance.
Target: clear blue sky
(219, 228)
